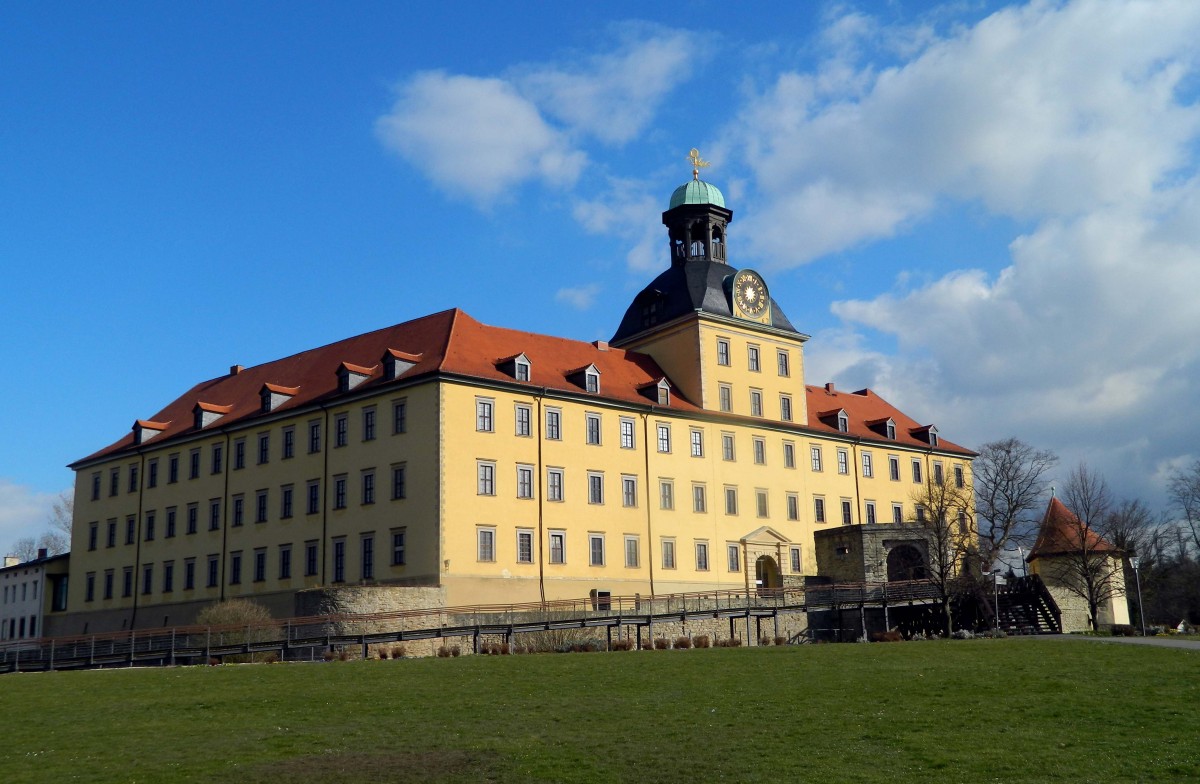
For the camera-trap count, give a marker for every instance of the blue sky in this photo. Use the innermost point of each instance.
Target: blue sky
(988, 212)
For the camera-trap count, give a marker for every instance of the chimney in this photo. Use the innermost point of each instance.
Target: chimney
(11, 560)
(235, 369)
(829, 390)
(41, 553)
(601, 345)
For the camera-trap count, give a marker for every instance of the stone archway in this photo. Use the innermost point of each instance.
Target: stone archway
(905, 562)
(766, 573)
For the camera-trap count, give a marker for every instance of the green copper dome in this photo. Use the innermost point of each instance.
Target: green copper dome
(697, 192)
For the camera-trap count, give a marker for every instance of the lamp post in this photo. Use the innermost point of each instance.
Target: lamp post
(1135, 562)
(995, 573)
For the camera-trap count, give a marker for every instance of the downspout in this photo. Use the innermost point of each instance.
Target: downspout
(649, 530)
(324, 488)
(225, 514)
(541, 506)
(137, 533)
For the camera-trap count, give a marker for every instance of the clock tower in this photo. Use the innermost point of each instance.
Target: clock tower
(701, 312)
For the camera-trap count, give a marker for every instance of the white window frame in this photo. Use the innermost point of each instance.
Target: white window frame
(485, 415)
(633, 547)
(595, 485)
(485, 543)
(628, 437)
(595, 549)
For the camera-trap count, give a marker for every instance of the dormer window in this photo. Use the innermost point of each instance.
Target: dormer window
(350, 376)
(519, 367)
(928, 434)
(884, 427)
(658, 391)
(144, 430)
(891, 430)
(843, 422)
(587, 377)
(206, 413)
(272, 396)
(592, 381)
(395, 363)
(836, 418)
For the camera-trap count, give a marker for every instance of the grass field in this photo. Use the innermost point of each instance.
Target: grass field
(979, 711)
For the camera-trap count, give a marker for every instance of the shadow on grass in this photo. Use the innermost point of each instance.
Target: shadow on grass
(422, 767)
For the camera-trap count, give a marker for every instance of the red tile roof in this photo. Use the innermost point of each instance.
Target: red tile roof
(865, 409)
(1062, 533)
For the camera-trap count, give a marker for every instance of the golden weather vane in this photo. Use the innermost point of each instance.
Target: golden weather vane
(698, 163)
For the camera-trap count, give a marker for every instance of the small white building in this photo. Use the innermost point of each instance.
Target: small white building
(28, 592)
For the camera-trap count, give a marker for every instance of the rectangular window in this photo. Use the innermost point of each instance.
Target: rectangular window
(793, 506)
(558, 547)
(367, 557)
(752, 359)
(217, 458)
(111, 539)
(313, 489)
(959, 480)
(553, 424)
(339, 492)
(868, 469)
(756, 408)
(93, 535)
(310, 558)
(148, 525)
(90, 587)
(368, 486)
(168, 576)
(596, 549)
(523, 417)
(633, 558)
(399, 482)
(789, 454)
(760, 451)
(285, 504)
(114, 482)
(193, 516)
(697, 442)
(194, 463)
(339, 560)
(486, 476)
(819, 509)
(151, 473)
(920, 513)
(235, 568)
(938, 476)
(894, 468)
(797, 563)
(699, 502)
(214, 514)
(127, 582)
(781, 363)
(595, 487)
(147, 578)
(843, 460)
(260, 565)
(398, 537)
(484, 422)
(189, 574)
(815, 454)
(725, 396)
(554, 484)
(727, 447)
(628, 491)
(702, 556)
(731, 501)
(668, 553)
(96, 486)
(285, 562)
(239, 511)
(341, 430)
(172, 469)
(870, 507)
(916, 471)
(733, 557)
(785, 408)
(314, 437)
(289, 443)
(847, 512)
(524, 481)
(239, 454)
(722, 352)
(399, 417)
(264, 448)
(897, 513)
(593, 428)
(133, 478)
(214, 568)
(130, 529)
(627, 439)
(760, 503)
(368, 423)
(524, 546)
(666, 494)
(170, 533)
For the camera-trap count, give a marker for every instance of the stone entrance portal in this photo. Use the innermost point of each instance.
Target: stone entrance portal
(904, 562)
(766, 573)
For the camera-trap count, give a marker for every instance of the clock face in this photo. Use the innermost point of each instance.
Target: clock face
(750, 293)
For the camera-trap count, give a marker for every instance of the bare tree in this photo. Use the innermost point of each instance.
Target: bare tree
(1010, 486)
(62, 514)
(25, 548)
(1184, 487)
(1089, 567)
(54, 542)
(946, 513)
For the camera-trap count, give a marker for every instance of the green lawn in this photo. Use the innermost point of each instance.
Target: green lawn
(981, 710)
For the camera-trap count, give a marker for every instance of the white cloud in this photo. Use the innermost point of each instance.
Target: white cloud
(579, 297)
(476, 138)
(23, 513)
(628, 211)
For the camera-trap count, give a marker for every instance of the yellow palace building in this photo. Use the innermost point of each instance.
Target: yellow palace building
(465, 463)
